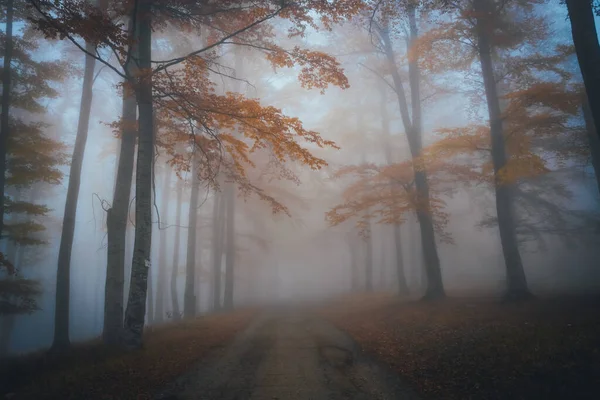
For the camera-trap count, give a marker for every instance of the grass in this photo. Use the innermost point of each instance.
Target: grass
(92, 371)
(479, 348)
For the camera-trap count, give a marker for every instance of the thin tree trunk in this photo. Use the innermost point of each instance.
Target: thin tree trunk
(516, 281)
(435, 286)
(5, 116)
(385, 126)
(150, 299)
(369, 259)
(593, 139)
(217, 253)
(162, 251)
(189, 297)
(353, 265)
(230, 250)
(7, 321)
(176, 246)
(136, 304)
(585, 38)
(63, 276)
(117, 219)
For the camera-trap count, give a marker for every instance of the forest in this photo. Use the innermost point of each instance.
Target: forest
(172, 169)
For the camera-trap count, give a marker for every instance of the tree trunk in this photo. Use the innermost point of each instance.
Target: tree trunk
(435, 286)
(150, 299)
(217, 253)
(5, 116)
(585, 38)
(385, 126)
(175, 267)
(516, 281)
(116, 221)
(162, 250)
(63, 276)
(593, 139)
(230, 250)
(353, 264)
(136, 304)
(189, 297)
(369, 260)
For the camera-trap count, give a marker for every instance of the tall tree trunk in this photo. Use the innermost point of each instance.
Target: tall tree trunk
(162, 250)
(230, 250)
(189, 297)
(175, 266)
(385, 126)
(593, 139)
(117, 218)
(217, 253)
(136, 304)
(5, 116)
(63, 276)
(585, 38)
(413, 128)
(515, 274)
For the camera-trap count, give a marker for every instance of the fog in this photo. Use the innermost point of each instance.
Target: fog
(300, 253)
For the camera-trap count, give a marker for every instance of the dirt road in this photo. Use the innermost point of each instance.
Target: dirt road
(288, 354)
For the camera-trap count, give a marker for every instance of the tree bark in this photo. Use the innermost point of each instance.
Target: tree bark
(515, 274)
(230, 251)
(585, 38)
(116, 221)
(175, 266)
(5, 116)
(63, 276)
(217, 253)
(189, 297)
(162, 251)
(136, 304)
(435, 286)
(593, 139)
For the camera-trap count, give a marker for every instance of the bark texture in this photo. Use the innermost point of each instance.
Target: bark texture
(136, 304)
(117, 219)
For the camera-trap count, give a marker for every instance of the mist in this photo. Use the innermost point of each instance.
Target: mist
(275, 228)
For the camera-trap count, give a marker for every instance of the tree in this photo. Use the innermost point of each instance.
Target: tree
(412, 123)
(31, 159)
(319, 71)
(162, 251)
(175, 266)
(585, 38)
(189, 297)
(117, 214)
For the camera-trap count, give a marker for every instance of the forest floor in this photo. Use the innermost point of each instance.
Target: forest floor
(92, 371)
(288, 353)
(479, 348)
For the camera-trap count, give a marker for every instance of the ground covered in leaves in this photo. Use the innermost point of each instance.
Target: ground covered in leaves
(92, 371)
(481, 349)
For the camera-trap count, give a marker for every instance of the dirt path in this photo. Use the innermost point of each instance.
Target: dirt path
(288, 354)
